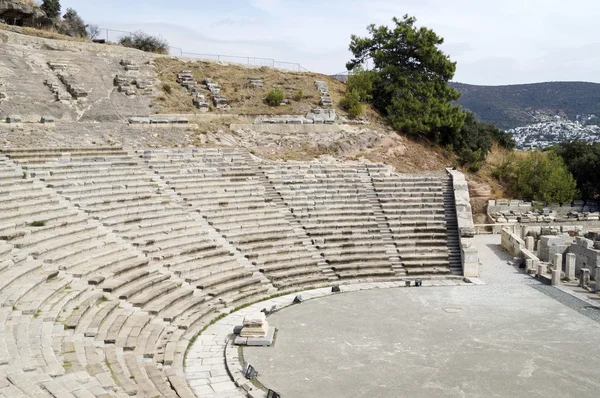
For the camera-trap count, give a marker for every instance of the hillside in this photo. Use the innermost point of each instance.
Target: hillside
(523, 104)
(76, 85)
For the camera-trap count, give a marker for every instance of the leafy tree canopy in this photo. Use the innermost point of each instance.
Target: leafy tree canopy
(73, 25)
(51, 8)
(540, 176)
(410, 80)
(583, 161)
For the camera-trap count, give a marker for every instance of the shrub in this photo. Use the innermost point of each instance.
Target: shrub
(145, 42)
(38, 224)
(72, 24)
(351, 103)
(361, 81)
(93, 31)
(299, 95)
(539, 176)
(167, 88)
(275, 96)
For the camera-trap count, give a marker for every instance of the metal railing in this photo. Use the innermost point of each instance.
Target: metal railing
(113, 36)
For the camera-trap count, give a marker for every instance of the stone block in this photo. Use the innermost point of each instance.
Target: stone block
(557, 261)
(529, 243)
(584, 279)
(266, 340)
(597, 279)
(47, 119)
(139, 120)
(556, 277)
(570, 262)
(14, 119)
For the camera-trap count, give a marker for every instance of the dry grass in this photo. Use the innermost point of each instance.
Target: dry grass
(49, 33)
(243, 99)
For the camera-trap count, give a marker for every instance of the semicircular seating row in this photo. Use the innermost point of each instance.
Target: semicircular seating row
(110, 261)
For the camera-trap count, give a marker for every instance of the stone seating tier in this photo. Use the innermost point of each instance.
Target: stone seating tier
(133, 255)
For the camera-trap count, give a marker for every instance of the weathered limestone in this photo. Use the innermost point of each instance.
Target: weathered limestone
(542, 270)
(255, 325)
(557, 261)
(47, 119)
(530, 243)
(555, 277)
(219, 100)
(255, 82)
(315, 116)
(200, 103)
(584, 279)
(570, 262)
(325, 98)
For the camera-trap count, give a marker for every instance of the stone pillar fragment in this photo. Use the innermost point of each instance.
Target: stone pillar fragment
(557, 261)
(570, 266)
(584, 278)
(529, 243)
(541, 270)
(556, 277)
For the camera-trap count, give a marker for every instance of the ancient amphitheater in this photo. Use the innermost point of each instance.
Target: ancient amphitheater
(149, 206)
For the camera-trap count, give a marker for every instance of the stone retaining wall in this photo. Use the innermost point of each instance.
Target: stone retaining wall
(464, 218)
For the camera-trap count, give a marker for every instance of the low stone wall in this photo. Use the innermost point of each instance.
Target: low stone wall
(517, 248)
(512, 243)
(587, 254)
(466, 229)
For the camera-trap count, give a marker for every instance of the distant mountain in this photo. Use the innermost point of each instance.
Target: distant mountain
(519, 105)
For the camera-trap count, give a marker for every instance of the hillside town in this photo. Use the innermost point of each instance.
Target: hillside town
(553, 131)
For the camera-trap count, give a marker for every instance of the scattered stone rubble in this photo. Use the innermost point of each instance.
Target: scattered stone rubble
(158, 120)
(186, 79)
(219, 101)
(130, 85)
(255, 82)
(129, 65)
(513, 211)
(76, 90)
(315, 116)
(325, 98)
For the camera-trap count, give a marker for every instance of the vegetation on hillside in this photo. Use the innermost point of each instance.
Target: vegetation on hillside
(583, 161)
(475, 140)
(410, 78)
(275, 96)
(540, 176)
(409, 85)
(145, 42)
(516, 105)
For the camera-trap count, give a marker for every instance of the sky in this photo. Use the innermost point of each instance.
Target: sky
(493, 42)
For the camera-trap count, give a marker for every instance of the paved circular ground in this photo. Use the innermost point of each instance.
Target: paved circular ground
(498, 340)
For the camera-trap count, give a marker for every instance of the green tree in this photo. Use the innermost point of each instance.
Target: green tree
(73, 24)
(351, 103)
(583, 161)
(361, 82)
(540, 176)
(474, 141)
(51, 8)
(410, 78)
